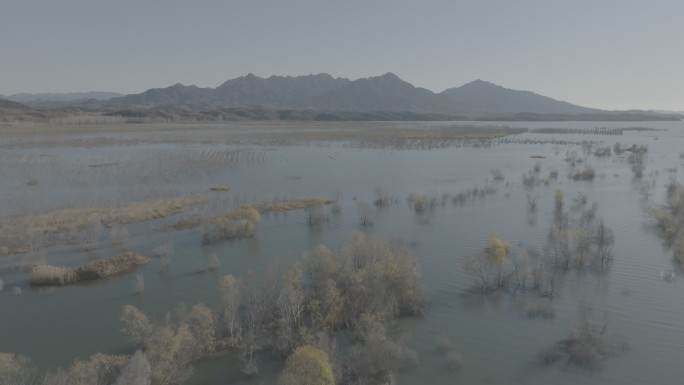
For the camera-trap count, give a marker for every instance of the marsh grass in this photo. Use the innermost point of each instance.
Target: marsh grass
(291, 204)
(48, 275)
(219, 187)
(89, 220)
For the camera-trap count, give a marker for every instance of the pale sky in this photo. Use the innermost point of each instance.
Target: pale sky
(613, 54)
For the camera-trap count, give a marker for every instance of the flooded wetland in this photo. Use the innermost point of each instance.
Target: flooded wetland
(497, 253)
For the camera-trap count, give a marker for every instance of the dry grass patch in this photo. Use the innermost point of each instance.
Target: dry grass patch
(220, 187)
(48, 275)
(292, 204)
(83, 218)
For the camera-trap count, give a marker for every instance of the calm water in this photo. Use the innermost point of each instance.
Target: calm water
(499, 344)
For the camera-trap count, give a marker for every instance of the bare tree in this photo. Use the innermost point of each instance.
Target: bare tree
(365, 214)
(137, 371)
(229, 304)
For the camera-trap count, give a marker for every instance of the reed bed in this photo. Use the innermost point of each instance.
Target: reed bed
(48, 275)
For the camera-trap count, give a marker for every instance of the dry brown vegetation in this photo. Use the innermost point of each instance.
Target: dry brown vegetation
(61, 226)
(47, 275)
(219, 187)
(240, 223)
(291, 204)
(15, 370)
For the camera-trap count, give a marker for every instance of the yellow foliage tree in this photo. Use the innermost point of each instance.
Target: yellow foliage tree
(307, 366)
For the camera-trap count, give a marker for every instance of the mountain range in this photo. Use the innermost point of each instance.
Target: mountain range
(322, 95)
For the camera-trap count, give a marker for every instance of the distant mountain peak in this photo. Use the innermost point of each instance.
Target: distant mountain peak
(390, 75)
(482, 84)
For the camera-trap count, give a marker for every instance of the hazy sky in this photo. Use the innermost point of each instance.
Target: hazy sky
(608, 54)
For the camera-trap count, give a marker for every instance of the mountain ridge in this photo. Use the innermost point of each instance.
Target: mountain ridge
(387, 92)
(322, 96)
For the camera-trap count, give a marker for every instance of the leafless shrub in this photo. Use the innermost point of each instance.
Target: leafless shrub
(92, 232)
(497, 174)
(489, 269)
(553, 174)
(617, 148)
(98, 369)
(603, 240)
(541, 308)
(137, 371)
(316, 216)
(382, 197)
(531, 201)
(139, 284)
(602, 152)
(365, 214)
(214, 262)
(588, 173)
(118, 234)
(443, 343)
(454, 361)
(376, 357)
(163, 254)
(530, 180)
(572, 157)
(336, 209)
(422, 202)
(584, 346)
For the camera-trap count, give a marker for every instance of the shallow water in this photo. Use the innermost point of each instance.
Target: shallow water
(499, 344)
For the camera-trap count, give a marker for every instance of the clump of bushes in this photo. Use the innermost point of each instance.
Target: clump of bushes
(172, 346)
(585, 346)
(307, 366)
(48, 275)
(422, 202)
(602, 152)
(664, 221)
(489, 269)
(497, 174)
(588, 173)
(240, 223)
